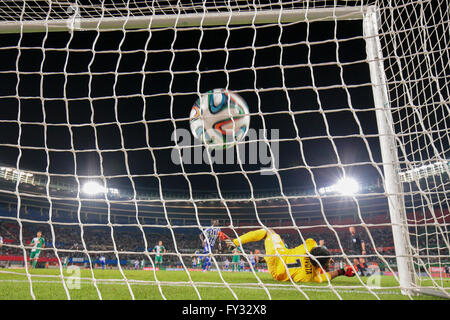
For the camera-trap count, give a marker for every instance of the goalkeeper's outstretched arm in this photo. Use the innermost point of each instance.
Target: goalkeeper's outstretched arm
(348, 271)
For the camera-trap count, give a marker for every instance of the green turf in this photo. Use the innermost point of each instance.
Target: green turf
(175, 285)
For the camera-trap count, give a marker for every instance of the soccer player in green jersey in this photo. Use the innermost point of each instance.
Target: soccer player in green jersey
(235, 261)
(38, 243)
(160, 250)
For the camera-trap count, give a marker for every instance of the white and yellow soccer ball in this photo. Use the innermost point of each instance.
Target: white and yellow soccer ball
(219, 118)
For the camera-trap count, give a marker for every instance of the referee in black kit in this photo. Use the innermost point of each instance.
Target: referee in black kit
(357, 247)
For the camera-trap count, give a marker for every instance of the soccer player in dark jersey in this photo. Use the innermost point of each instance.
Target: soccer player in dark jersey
(357, 247)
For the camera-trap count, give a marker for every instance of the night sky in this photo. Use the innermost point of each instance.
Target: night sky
(59, 72)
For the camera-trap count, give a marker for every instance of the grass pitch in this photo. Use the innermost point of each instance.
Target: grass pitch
(47, 284)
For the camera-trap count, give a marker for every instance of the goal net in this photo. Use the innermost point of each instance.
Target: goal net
(348, 104)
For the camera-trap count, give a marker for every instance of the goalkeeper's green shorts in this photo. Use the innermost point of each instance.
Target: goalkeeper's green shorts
(158, 259)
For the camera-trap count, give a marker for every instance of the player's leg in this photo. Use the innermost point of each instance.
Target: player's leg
(251, 236)
(362, 266)
(234, 262)
(30, 260)
(35, 258)
(207, 258)
(206, 263)
(366, 267)
(356, 265)
(32, 253)
(158, 261)
(355, 259)
(274, 246)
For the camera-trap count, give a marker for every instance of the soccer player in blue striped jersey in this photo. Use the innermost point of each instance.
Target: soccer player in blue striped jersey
(209, 237)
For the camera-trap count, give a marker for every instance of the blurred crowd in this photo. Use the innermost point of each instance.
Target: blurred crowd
(132, 243)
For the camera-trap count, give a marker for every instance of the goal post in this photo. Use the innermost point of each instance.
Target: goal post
(409, 141)
(388, 143)
(75, 21)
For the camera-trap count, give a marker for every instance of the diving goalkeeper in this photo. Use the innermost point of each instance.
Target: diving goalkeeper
(297, 263)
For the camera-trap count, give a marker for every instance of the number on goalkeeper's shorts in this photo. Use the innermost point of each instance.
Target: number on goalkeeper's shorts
(296, 264)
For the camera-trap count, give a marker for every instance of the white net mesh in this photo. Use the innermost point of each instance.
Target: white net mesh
(97, 152)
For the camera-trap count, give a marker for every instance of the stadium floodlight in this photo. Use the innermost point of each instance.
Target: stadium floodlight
(434, 169)
(14, 175)
(345, 186)
(93, 188)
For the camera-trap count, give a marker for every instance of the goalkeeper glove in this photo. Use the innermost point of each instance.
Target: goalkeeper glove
(347, 271)
(228, 241)
(223, 236)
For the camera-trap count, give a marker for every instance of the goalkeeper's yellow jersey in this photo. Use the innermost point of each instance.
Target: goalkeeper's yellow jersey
(300, 267)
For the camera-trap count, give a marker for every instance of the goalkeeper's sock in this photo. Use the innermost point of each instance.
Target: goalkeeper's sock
(251, 236)
(33, 264)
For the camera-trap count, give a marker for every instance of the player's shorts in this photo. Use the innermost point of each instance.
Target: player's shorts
(274, 245)
(35, 254)
(206, 250)
(235, 259)
(158, 259)
(206, 258)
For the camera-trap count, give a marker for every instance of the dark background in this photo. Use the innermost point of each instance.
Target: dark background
(100, 100)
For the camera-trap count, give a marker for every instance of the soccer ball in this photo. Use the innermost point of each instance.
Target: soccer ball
(219, 118)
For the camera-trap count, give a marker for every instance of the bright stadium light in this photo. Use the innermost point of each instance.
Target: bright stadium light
(93, 188)
(347, 186)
